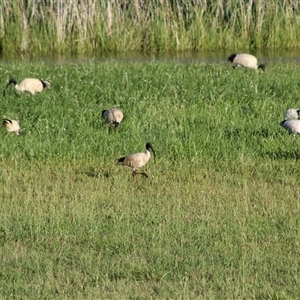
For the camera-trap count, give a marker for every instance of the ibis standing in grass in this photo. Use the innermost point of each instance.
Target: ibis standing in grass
(137, 160)
(12, 126)
(291, 114)
(31, 85)
(246, 61)
(112, 116)
(292, 126)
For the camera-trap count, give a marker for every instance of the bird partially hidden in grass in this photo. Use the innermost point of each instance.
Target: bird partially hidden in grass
(292, 126)
(137, 160)
(246, 61)
(291, 114)
(31, 85)
(12, 126)
(112, 116)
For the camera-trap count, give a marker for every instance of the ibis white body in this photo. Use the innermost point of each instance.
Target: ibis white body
(12, 126)
(31, 85)
(292, 126)
(137, 160)
(246, 61)
(291, 114)
(113, 116)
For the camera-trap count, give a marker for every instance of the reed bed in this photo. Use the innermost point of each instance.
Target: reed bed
(88, 27)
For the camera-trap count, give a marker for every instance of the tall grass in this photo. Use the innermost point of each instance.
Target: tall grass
(70, 27)
(218, 217)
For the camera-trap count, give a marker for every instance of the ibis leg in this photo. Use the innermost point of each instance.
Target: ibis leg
(141, 173)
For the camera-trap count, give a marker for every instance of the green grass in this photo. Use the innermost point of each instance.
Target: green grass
(218, 217)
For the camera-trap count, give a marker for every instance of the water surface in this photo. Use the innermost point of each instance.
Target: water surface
(187, 57)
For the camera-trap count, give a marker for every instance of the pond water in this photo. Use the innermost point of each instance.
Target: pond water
(282, 56)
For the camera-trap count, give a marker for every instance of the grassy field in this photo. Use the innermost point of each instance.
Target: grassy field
(218, 217)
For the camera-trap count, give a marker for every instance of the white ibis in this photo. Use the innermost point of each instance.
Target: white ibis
(246, 61)
(31, 85)
(137, 160)
(12, 126)
(292, 126)
(112, 116)
(291, 114)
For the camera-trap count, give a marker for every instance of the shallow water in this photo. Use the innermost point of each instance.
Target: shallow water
(282, 56)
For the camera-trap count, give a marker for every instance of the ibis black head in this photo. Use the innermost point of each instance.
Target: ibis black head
(103, 112)
(262, 66)
(282, 123)
(298, 112)
(232, 57)
(150, 147)
(121, 160)
(46, 84)
(12, 81)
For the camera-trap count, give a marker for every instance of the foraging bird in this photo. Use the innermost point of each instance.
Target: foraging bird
(291, 114)
(246, 61)
(137, 160)
(31, 85)
(292, 126)
(112, 116)
(12, 125)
